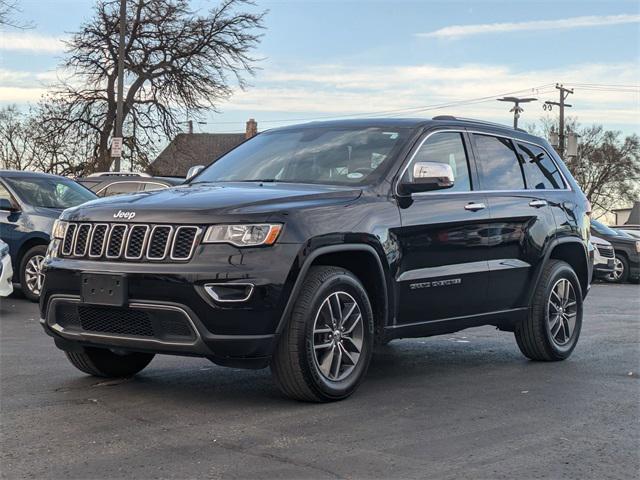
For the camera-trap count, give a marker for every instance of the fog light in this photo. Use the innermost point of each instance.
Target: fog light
(229, 292)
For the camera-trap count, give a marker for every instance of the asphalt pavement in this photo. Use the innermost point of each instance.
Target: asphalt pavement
(467, 405)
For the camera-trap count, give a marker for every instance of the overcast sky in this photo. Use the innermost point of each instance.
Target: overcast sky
(339, 58)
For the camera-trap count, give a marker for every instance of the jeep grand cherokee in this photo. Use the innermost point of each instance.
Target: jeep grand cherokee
(303, 247)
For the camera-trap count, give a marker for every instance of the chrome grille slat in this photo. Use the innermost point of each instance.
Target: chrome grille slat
(130, 241)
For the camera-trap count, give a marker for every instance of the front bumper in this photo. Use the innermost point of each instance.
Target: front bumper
(241, 334)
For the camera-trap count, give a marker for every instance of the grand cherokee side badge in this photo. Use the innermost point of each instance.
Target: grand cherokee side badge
(125, 215)
(436, 283)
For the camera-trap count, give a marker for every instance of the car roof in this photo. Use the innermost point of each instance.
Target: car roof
(27, 174)
(418, 123)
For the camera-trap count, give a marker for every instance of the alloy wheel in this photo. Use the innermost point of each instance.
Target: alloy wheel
(618, 270)
(562, 311)
(33, 274)
(338, 336)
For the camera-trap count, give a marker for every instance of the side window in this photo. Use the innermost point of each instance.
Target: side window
(120, 188)
(4, 193)
(540, 171)
(447, 147)
(498, 164)
(148, 186)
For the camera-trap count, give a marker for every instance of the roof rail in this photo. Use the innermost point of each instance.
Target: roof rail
(119, 174)
(473, 120)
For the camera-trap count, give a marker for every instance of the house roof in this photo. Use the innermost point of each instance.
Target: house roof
(634, 216)
(190, 149)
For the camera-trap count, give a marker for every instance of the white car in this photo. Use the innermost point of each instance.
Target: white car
(6, 271)
(604, 257)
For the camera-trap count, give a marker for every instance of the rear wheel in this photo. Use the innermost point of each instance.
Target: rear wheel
(101, 362)
(553, 326)
(31, 277)
(326, 348)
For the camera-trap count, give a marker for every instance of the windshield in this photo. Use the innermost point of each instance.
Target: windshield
(50, 192)
(327, 155)
(603, 229)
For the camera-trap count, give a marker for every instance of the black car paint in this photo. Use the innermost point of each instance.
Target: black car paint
(481, 266)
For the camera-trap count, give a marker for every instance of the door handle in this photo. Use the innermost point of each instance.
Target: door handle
(538, 203)
(474, 207)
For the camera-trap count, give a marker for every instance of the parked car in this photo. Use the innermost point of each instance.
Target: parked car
(635, 233)
(627, 251)
(106, 184)
(6, 270)
(604, 258)
(29, 204)
(306, 245)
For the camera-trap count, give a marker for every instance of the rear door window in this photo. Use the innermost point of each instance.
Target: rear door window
(540, 170)
(498, 164)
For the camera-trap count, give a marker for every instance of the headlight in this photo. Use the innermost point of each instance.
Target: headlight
(59, 229)
(637, 246)
(243, 235)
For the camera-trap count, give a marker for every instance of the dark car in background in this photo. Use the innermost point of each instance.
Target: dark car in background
(29, 204)
(627, 253)
(106, 184)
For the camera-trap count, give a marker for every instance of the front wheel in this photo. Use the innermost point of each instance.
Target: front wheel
(552, 328)
(101, 362)
(31, 277)
(326, 347)
(620, 272)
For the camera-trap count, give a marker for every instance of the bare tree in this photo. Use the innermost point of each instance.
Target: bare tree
(607, 166)
(15, 141)
(8, 10)
(176, 62)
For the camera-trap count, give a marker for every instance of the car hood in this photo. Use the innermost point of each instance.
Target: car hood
(211, 202)
(599, 241)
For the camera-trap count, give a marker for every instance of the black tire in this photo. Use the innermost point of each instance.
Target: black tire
(29, 291)
(624, 276)
(101, 362)
(534, 335)
(295, 365)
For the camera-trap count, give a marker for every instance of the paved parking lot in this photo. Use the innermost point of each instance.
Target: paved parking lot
(457, 406)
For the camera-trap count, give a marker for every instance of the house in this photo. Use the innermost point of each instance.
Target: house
(189, 149)
(628, 216)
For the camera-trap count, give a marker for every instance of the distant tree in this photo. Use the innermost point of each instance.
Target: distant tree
(607, 166)
(15, 142)
(177, 63)
(8, 10)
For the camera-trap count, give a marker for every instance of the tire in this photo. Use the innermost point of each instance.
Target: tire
(101, 362)
(621, 276)
(30, 278)
(309, 363)
(535, 336)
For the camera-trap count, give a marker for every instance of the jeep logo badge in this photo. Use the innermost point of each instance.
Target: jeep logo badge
(125, 215)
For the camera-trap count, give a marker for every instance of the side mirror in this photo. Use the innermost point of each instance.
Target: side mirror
(6, 205)
(429, 176)
(193, 171)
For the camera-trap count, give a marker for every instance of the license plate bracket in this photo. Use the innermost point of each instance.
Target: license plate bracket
(104, 289)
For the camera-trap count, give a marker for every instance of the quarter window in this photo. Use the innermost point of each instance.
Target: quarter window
(540, 171)
(120, 188)
(498, 164)
(447, 147)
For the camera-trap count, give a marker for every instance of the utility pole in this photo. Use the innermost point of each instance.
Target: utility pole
(517, 109)
(120, 95)
(564, 93)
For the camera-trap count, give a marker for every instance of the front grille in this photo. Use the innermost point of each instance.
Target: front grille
(606, 251)
(129, 242)
(144, 323)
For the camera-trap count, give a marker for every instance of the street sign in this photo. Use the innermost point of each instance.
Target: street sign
(116, 147)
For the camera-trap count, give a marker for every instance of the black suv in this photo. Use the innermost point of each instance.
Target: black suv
(303, 247)
(626, 265)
